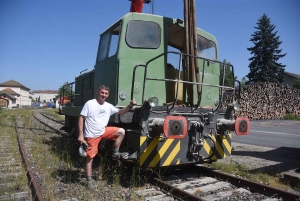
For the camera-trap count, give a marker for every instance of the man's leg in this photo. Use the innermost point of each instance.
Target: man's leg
(91, 152)
(88, 168)
(119, 136)
(116, 134)
(90, 184)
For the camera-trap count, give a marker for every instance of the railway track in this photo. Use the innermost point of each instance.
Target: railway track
(51, 123)
(62, 123)
(198, 183)
(211, 185)
(13, 171)
(19, 177)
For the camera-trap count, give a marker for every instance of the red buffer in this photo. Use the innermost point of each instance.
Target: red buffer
(242, 126)
(175, 127)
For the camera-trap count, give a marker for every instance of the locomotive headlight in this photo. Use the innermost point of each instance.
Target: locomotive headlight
(153, 101)
(236, 105)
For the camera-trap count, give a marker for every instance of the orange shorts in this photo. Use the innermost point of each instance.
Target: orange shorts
(94, 142)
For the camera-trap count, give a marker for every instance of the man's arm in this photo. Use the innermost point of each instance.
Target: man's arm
(81, 120)
(127, 108)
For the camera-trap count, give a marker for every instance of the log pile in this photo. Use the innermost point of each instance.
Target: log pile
(266, 101)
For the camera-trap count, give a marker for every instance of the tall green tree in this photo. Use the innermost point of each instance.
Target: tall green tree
(264, 65)
(243, 81)
(64, 90)
(297, 84)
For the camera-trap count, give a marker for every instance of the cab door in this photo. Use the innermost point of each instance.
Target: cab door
(106, 68)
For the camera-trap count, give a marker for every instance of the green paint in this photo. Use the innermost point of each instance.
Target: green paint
(119, 53)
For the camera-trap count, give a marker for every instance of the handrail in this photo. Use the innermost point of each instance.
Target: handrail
(186, 82)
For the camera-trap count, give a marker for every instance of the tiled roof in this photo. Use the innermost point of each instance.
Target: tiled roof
(44, 92)
(8, 92)
(11, 97)
(297, 76)
(3, 98)
(12, 83)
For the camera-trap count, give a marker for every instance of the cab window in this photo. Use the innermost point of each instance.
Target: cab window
(143, 34)
(206, 48)
(108, 44)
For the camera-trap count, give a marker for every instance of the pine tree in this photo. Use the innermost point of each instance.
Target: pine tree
(264, 66)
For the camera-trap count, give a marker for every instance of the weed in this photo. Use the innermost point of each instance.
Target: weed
(53, 113)
(273, 180)
(292, 117)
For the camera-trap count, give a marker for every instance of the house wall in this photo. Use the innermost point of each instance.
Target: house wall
(3, 103)
(22, 99)
(44, 97)
(10, 104)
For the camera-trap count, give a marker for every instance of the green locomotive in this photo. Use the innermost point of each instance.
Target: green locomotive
(141, 57)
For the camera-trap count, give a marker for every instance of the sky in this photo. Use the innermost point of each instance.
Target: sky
(45, 43)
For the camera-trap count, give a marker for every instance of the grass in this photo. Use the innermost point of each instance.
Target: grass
(9, 139)
(273, 180)
(127, 174)
(53, 113)
(57, 161)
(49, 154)
(292, 117)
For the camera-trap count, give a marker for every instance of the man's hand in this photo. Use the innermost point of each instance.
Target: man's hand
(132, 103)
(128, 107)
(81, 138)
(85, 145)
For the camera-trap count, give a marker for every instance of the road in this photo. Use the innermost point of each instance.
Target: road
(272, 133)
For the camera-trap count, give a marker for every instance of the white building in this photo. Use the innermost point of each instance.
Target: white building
(44, 95)
(15, 93)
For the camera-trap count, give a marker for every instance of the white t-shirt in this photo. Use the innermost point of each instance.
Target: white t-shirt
(96, 117)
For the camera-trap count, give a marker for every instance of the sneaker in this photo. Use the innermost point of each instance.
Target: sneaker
(123, 155)
(91, 185)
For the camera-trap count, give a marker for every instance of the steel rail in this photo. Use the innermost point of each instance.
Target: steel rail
(33, 181)
(176, 192)
(61, 122)
(254, 186)
(63, 133)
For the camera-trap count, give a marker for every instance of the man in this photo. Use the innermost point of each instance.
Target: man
(94, 116)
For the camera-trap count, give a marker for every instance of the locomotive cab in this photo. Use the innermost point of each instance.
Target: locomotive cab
(176, 121)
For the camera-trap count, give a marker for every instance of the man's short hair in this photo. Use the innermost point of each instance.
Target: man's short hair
(103, 87)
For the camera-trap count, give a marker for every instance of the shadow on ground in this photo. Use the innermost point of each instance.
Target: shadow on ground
(287, 159)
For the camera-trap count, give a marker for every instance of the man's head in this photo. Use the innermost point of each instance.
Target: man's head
(104, 87)
(102, 94)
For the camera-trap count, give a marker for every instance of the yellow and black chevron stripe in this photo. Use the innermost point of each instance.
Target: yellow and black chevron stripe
(223, 146)
(159, 152)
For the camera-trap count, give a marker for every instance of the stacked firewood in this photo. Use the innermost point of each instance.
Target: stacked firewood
(265, 101)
